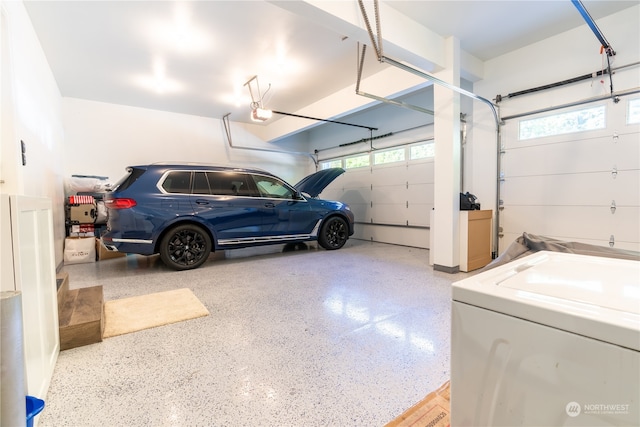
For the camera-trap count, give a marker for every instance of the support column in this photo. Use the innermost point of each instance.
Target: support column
(446, 241)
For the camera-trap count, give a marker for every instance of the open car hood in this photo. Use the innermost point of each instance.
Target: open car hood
(315, 183)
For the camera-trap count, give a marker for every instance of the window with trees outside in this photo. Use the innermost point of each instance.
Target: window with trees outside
(422, 151)
(633, 111)
(388, 156)
(356, 161)
(557, 124)
(337, 163)
(416, 151)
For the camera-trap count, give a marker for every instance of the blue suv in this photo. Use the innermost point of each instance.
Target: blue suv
(185, 211)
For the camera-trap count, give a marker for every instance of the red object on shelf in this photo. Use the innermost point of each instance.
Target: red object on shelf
(79, 200)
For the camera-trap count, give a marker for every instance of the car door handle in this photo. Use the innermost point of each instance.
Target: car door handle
(269, 205)
(202, 202)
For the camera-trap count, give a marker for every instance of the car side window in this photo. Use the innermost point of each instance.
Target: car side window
(272, 188)
(220, 184)
(232, 184)
(131, 177)
(177, 182)
(200, 183)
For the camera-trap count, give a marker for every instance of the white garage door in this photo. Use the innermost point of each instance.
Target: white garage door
(574, 175)
(390, 192)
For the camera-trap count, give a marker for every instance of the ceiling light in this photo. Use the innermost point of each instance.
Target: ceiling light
(159, 82)
(261, 114)
(181, 34)
(258, 112)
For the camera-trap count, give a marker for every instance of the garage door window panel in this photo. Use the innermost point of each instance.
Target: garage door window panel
(585, 119)
(422, 151)
(357, 161)
(337, 163)
(633, 111)
(389, 156)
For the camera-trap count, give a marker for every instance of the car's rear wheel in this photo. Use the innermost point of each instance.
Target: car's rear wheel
(334, 233)
(185, 247)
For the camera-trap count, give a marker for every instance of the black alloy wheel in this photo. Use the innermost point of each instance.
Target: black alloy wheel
(185, 247)
(334, 233)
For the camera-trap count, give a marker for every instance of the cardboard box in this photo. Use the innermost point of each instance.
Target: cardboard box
(82, 214)
(103, 253)
(433, 410)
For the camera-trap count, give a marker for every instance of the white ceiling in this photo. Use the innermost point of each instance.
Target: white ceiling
(113, 51)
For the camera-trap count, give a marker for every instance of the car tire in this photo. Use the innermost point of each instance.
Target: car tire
(333, 233)
(185, 247)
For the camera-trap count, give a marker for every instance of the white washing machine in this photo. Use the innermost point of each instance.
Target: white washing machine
(551, 339)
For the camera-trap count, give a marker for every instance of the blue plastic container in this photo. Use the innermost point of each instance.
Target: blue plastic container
(34, 407)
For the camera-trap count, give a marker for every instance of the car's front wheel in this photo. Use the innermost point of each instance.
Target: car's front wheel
(334, 233)
(185, 247)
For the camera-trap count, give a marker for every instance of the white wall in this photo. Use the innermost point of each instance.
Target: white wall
(103, 139)
(31, 113)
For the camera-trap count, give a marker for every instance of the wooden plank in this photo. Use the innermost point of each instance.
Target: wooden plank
(62, 284)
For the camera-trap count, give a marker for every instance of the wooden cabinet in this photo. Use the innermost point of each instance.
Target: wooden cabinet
(475, 239)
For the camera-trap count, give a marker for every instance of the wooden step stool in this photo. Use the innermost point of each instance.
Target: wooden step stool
(80, 314)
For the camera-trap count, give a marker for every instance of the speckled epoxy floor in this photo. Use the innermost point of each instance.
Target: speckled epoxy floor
(305, 338)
